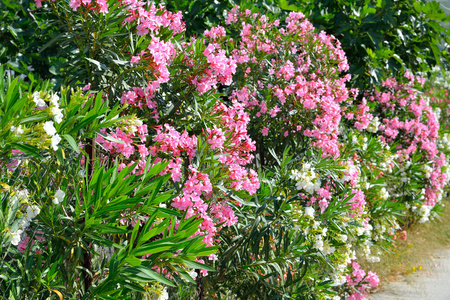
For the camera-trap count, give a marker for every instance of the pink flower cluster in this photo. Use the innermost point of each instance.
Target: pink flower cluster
(39, 2)
(151, 19)
(159, 53)
(89, 5)
(137, 97)
(125, 140)
(361, 282)
(407, 118)
(358, 201)
(216, 33)
(99, 5)
(228, 140)
(219, 70)
(301, 90)
(323, 198)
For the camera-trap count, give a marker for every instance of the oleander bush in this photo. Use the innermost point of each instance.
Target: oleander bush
(237, 164)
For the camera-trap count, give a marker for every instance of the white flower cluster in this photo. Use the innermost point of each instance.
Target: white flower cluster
(309, 212)
(38, 100)
(32, 211)
(347, 256)
(51, 131)
(424, 213)
(427, 170)
(364, 230)
(57, 115)
(367, 250)
(444, 142)
(59, 197)
(437, 111)
(20, 196)
(320, 244)
(54, 99)
(164, 294)
(374, 124)
(307, 179)
(379, 232)
(360, 141)
(364, 184)
(403, 172)
(384, 194)
(17, 130)
(56, 111)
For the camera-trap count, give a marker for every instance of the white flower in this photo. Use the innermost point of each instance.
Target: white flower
(327, 249)
(32, 212)
(57, 113)
(384, 194)
(15, 237)
(309, 212)
(343, 238)
(24, 223)
(19, 196)
(37, 99)
(49, 128)
(17, 130)
(319, 243)
(315, 225)
(424, 212)
(193, 274)
(54, 99)
(306, 167)
(55, 141)
(23, 194)
(373, 259)
(59, 197)
(164, 294)
(374, 124)
(338, 279)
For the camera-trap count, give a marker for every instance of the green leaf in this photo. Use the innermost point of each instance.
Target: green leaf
(71, 142)
(152, 248)
(27, 149)
(146, 274)
(110, 138)
(196, 265)
(108, 229)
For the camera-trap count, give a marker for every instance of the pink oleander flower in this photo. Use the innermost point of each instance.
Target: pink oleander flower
(372, 279)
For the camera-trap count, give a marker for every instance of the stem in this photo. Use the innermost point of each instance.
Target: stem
(87, 259)
(200, 289)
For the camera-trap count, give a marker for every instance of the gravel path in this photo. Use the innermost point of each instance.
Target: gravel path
(433, 283)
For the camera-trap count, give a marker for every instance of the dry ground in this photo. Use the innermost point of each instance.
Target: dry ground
(418, 268)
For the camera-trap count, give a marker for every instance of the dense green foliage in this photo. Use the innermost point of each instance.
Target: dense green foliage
(383, 37)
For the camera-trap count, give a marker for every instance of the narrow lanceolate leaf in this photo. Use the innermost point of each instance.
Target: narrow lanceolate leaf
(71, 142)
(27, 149)
(142, 273)
(196, 265)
